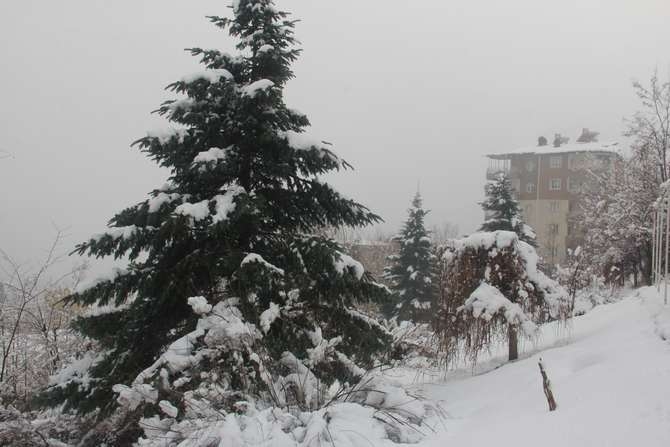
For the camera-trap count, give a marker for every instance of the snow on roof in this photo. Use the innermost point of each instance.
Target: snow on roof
(611, 146)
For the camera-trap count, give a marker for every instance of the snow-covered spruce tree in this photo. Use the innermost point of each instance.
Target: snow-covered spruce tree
(409, 272)
(493, 292)
(233, 315)
(502, 211)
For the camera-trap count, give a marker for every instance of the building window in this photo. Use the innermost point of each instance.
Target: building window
(554, 252)
(516, 184)
(553, 228)
(555, 162)
(530, 187)
(530, 166)
(555, 184)
(554, 206)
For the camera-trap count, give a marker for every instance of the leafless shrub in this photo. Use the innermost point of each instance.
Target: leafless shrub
(34, 324)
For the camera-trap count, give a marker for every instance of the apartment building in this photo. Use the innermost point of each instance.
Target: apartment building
(548, 179)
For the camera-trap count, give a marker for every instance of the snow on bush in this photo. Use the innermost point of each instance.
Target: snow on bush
(268, 317)
(186, 398)
(415, 346)
(210, 76)
(199, 304)
(211, 155)
(161, 198)
(47, 428)
(197, 211)
(346, 262)
(303, 141)
(486, 302)
(492, 291)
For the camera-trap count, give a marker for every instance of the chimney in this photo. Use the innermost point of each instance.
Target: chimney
(588, 136)
(541, 141)
(560, 139)
(557, 140)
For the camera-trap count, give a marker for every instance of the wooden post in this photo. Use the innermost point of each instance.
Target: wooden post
(513, 342)
(653, 247)
(659, 243)
(546, 384)
(665, 252)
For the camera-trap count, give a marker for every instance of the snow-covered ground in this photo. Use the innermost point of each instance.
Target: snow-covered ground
(610, 374)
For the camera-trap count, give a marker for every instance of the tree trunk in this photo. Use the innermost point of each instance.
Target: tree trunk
(513, 343)
(646, 266)
(546, 385)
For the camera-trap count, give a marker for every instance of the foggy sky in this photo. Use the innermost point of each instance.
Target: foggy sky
(407, 91)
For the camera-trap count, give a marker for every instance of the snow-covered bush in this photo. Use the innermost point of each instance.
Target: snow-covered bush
(49, 428)
(415, 345)
(585, 288)
(597, 292)
(492, 291)
(191, 397)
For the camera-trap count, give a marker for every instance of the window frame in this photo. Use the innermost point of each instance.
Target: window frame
(551, 184)
(555, 162)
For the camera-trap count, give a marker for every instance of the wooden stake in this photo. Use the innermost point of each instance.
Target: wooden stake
(546, 384)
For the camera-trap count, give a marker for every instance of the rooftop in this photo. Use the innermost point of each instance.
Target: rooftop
(562, 149)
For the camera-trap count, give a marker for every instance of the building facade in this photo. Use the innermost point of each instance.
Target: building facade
(548, 180)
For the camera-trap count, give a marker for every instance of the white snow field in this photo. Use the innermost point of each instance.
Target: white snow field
(610, 377)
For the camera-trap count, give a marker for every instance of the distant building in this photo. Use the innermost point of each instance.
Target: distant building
(548, 179)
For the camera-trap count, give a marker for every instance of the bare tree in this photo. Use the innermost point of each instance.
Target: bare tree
(441, 233)
(33, 320)
(650, 126)
(615, 209)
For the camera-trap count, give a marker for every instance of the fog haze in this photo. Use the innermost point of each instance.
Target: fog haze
(407, 91)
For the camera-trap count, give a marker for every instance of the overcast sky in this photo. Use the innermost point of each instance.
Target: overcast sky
(407, 91)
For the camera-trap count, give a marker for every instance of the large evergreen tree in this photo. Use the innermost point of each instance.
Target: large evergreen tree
(229, 243)
(410, 270)
(502, 211)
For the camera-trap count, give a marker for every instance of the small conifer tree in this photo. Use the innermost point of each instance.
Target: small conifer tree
(502, 211)
(410, 270)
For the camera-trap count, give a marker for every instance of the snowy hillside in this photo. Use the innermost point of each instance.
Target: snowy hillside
(610, 375)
